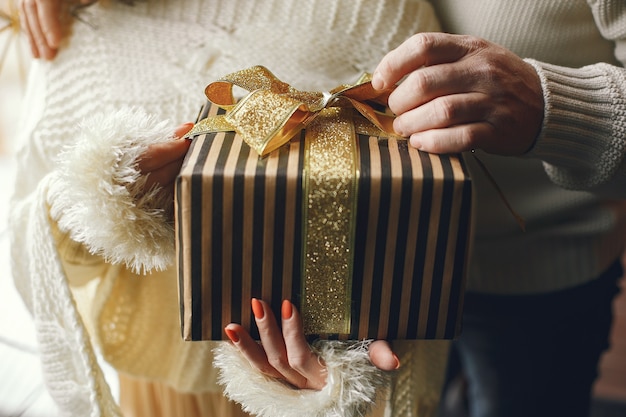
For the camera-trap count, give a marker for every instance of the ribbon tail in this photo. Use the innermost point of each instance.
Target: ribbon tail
(211, 124)
(384, 122)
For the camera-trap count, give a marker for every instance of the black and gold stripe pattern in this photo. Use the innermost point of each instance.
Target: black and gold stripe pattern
(239, 235)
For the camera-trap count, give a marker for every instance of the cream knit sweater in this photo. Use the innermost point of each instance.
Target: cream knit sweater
(569, 185)
(159, 55)
(79, 234)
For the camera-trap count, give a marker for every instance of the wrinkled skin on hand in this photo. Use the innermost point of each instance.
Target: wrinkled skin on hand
(457, 93)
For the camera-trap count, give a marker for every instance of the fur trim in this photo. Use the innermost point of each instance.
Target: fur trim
(350, 390)
(96, 196)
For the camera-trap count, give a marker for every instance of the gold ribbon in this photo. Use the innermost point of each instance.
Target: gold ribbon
(329, 183)
(273, 111)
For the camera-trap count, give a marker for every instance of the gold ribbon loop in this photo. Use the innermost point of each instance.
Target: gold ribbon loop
(273, 111)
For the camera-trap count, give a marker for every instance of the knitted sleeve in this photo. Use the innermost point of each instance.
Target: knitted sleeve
(583, 139)
(69, 363)
(98, 199)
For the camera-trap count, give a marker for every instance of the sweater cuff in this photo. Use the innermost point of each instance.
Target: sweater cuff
(581, 142)
(350, 391)
(97, 195)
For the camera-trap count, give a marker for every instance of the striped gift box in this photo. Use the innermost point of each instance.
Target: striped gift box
(240, 220)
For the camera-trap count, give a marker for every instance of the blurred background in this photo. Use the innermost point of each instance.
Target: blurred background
(22, 391)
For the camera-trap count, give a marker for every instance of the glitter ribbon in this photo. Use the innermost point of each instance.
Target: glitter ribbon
(268, 117)
(273, 111)
(329, 218)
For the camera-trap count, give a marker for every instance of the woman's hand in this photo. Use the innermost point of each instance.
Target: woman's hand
(462, 93)
(161, 163)
(46, 23)
(286, 355)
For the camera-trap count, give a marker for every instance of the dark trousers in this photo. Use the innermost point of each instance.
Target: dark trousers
(531, 356)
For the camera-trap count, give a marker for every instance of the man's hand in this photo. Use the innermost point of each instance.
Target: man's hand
(458, 93)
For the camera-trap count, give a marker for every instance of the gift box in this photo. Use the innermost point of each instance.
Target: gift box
(367, 236)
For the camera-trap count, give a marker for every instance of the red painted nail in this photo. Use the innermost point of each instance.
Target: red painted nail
(257, 309)
(286, 310)
(232, 335)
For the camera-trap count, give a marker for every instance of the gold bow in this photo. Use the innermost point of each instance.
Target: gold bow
(273, 111)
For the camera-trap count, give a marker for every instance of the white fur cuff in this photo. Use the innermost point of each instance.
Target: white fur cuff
(350, 390)
(98, 194)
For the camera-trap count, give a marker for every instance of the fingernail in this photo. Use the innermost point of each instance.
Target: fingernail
(415, 142)
(232, 335)
(257, 309)
(397, 128)
(397, 361)
(377, 81)
(286, 310)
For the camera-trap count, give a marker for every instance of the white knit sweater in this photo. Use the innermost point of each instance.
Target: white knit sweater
(124, 81)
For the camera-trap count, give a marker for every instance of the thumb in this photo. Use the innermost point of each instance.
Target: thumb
(382, 356)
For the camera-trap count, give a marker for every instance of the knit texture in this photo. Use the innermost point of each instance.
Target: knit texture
(156, 57)
(583, 155)
(566, 186)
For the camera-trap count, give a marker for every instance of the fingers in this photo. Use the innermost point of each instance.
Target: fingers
(428, 83)
(382, 356)
(441, 112)
(160, 155)
(30, 23)
(49, 16)
(251, 350)
(25, 26)
(161, 162)
(299, 354)
(274, 344)
(285, 355)
(42, 23)
(456, 139)
(459, 93)
(166, 176)
(422, 49)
